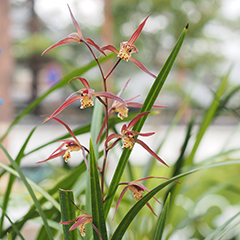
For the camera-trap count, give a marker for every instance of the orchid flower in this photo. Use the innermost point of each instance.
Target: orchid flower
(85, 97)
(137, 190)
(128, 137)
(122, 109)
(75, 37)
(71, 145)
(127, 48)
(81, 221)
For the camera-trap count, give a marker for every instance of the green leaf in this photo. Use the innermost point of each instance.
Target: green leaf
(9, 237)
(177, 168)
(68, 213)
(66, 182)
(31, 192)
(96, 124)
(219, 229)
(162, 220)
(209, 115)
(34, 185)
(13, 225)
(147, 105)
(96, 197)
(12, 177)
(123, 226)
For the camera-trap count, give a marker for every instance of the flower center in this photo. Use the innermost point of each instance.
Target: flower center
(70, 148)
(126, 51)
(137, 191)
(128, 140)
(82, 228)
(122, 112)
(86, 101)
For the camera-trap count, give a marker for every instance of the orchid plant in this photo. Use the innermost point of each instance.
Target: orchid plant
(114, 202)
(128, 134)
(100, 196)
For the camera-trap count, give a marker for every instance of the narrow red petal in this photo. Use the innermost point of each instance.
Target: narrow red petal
(68, 222)
(124, 87)
(109, 95)
(90, 41)
(142, 134)
(82, 219)
(83, 81)
(102, 128)
(64, 105)
(96, 230)
(110, 48)
(141, 66)
(142, 179)
(75, 24)
(68, 128)
(136, 34)
(112, 136)
(119, 199)
(151, 209)
(69, 39)
(158, 106)
(144, 145)
(134, 120)
(85, 159)
(53, 156)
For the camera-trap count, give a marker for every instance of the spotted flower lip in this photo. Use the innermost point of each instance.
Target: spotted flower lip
(128, 137)
(137, 189)
(75, 37)
(122, 109)
(85, 97)
(127, 48)
(71, 145)
(81, 221)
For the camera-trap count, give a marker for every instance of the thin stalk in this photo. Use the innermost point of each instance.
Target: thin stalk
(95, 57)
(107, 124)
(111, 70)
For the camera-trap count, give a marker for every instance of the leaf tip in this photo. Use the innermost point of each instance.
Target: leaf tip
(187, 25)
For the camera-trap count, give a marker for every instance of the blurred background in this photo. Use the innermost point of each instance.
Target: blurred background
(211, 49)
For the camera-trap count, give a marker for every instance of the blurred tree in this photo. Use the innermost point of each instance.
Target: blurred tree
(6, 68)
(163, 27)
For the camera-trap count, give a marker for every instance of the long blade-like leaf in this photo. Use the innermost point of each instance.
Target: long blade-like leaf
(96, 197)
(68, 213)
(31, 192)
(123, 226)
(147, 105)
(66, 183)
(12, 177)
(13, 225)
(34, 185)
(162, 220)
(219, 229)
(209, 115)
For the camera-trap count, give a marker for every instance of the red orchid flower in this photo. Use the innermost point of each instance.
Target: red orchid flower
(81, 221)
(122, 109)
(128, 137)
(137, 190)
(75, 37)
(85, 97)
(127, 48)
(71, 145)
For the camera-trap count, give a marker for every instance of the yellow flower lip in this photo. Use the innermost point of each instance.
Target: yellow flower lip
(126, 51)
